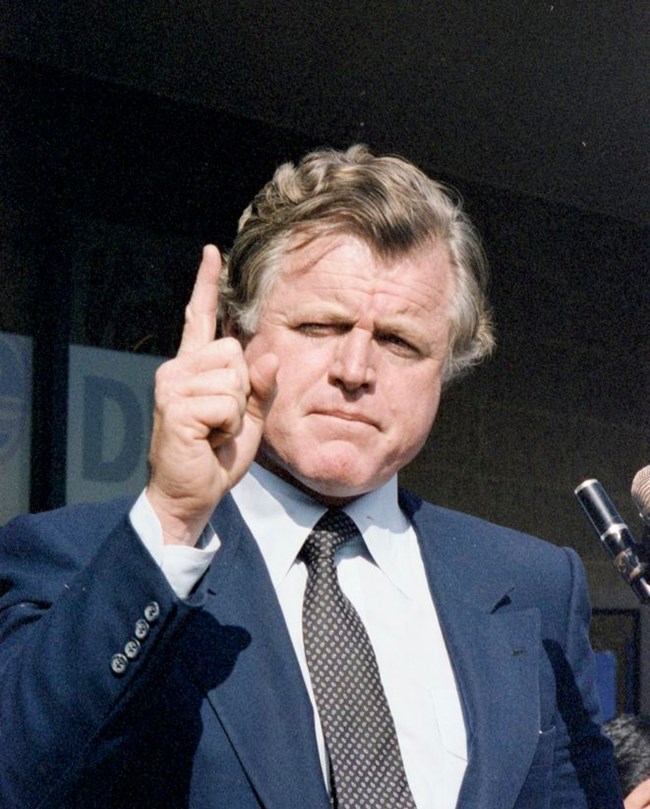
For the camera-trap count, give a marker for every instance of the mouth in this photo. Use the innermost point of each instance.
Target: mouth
(346, 415)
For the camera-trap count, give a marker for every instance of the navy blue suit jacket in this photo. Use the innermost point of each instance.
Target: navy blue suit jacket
(212, 711)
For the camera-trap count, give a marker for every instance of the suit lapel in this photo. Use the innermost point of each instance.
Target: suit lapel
(262, 703)
(495, 654)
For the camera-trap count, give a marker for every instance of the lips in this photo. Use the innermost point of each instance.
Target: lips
(346, 415)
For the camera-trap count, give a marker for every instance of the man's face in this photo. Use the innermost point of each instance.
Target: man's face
(362, 344)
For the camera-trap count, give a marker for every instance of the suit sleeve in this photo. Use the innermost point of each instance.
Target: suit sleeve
(587, 756)
(85, 618)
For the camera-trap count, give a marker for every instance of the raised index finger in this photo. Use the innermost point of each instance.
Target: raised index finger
(201, 312)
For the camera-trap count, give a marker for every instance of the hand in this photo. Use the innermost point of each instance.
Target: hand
(639, 798)
(208, 416)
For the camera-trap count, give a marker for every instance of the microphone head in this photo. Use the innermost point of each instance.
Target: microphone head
(641, 493)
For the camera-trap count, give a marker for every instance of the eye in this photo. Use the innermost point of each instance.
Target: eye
(318, 329)
(398, 344)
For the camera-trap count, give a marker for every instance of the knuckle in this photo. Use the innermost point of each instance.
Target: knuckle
(231, 347)
(161, 372)
(235, 381)
(229, 419)
(233, 408)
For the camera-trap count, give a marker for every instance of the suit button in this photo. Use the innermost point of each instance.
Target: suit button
(141, 629)
(152, 612)
(132, 649)
(119, 664)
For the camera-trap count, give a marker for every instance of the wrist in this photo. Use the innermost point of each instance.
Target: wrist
(178, 524)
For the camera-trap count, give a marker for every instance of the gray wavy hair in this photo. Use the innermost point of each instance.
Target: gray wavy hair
(386, 201)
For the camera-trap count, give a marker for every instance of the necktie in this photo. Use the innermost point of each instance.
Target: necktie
(366, 764)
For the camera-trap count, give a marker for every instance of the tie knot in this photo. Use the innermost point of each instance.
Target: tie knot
(332, 530)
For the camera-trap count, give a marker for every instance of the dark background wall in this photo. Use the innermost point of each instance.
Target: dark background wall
(129, 136)
(548, 98)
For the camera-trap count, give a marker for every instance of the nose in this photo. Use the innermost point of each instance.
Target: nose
(353, 366)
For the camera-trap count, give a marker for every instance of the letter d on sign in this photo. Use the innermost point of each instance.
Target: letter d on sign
(112, 430)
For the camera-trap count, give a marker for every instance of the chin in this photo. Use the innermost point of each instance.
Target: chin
(335, 490)
(332, 479)
(339, 481)
(329, 492)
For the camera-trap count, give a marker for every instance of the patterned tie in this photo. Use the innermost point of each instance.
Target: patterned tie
(366, 764)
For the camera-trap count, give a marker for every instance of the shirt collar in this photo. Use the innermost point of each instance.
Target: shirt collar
(281, 516)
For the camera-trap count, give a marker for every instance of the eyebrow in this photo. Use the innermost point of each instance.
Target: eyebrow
(402, 325)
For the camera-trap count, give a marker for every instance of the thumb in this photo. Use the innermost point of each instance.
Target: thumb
(262, 374)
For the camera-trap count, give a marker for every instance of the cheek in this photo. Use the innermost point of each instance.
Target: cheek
(293, 380)
(303, 372)
(414, 408)
(294, 390)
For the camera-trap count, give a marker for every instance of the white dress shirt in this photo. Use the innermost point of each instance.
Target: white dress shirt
(384, 578)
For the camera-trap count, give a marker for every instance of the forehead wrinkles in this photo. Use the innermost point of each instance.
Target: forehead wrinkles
(419, 280)
(411, 294)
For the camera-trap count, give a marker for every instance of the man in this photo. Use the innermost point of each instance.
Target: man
(200, 649)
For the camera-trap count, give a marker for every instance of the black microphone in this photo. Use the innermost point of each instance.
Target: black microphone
(615, 536)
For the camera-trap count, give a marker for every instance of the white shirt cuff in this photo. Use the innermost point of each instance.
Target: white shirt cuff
(182, 566)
